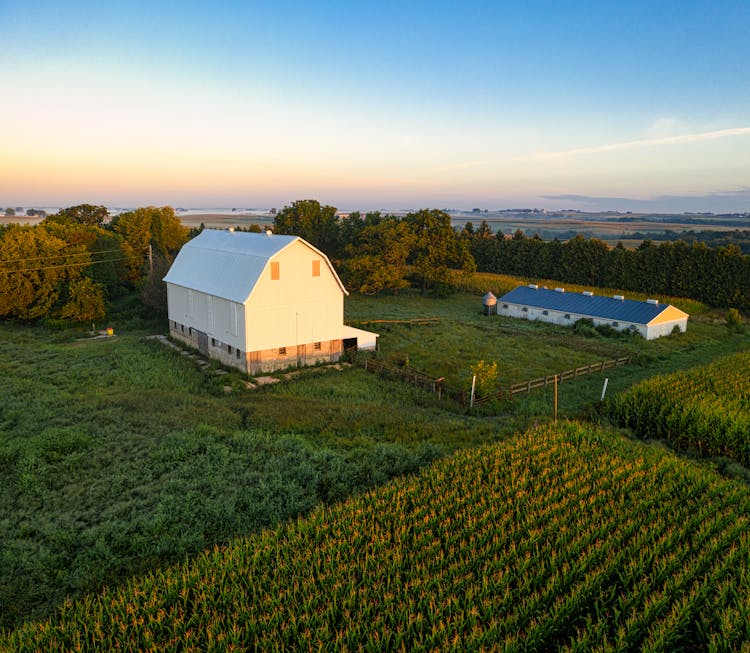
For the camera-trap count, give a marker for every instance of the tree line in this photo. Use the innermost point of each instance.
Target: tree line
(716, 276)
(75, 261)
(376, 252)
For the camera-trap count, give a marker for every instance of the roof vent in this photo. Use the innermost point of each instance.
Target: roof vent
(559, 289)
(533, 286)
(652, 301)
(620, 297)
(588, 293)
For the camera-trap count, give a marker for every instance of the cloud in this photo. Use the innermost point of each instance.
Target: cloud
(646, 142)
(724, 201)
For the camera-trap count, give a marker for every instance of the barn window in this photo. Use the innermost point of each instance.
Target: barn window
(505, 306)
(545, 312)
(182, 328)
(275, 274)
(567, 316)
(316, 346)
(229, 349)
(190, 331)
(525, 310)
(282, 351)
(615, 324)
(237, 351)
(316, 268)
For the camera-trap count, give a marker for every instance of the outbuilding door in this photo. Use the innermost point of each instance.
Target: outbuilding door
(202, 343)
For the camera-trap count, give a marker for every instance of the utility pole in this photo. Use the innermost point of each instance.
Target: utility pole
(555, 412)
(150, 259)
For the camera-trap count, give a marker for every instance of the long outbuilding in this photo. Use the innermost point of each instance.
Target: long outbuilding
(648, 318)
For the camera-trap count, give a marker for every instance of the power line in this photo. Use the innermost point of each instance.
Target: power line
(68, 265)
(39, 258)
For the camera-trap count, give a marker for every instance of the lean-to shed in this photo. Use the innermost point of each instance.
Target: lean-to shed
(259, 302)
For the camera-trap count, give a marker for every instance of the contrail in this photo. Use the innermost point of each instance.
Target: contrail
(647, 142)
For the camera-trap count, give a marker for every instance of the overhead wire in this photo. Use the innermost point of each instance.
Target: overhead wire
(65, 265)
(38, 258)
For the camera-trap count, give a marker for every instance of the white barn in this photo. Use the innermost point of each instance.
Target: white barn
(650, 318)
(259, 302)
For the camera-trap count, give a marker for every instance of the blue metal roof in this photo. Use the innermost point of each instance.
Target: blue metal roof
(609, 308)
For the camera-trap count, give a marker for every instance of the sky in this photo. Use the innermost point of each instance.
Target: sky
(637, 105)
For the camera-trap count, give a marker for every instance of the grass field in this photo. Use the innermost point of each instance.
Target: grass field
(567, 539)
(120, 456)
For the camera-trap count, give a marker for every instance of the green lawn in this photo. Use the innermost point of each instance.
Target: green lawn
(523, 349)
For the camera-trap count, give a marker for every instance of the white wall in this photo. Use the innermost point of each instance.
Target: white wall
(665, 328)
(297, 308)
(212, 315)
(558, 317)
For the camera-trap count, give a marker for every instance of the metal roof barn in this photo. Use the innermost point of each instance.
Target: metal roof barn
(258, 302)
(649, 318)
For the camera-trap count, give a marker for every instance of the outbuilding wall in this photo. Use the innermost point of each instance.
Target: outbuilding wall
(565, 319)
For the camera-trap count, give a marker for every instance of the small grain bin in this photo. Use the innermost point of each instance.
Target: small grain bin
(490, 303)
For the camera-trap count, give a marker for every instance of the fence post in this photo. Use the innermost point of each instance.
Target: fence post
(473, 387)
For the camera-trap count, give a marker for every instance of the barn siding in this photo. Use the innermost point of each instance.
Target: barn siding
(259, 361)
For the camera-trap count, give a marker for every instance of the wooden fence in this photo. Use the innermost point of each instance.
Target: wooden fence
(567, 375)
(438, 386)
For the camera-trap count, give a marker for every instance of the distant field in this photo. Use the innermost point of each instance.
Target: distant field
(569, 539)
(590, 224)
(224, 220)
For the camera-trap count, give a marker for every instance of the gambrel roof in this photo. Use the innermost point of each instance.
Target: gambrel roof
(229, 264)
(589, 305)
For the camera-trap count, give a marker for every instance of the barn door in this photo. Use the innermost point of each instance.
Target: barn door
(202, 343)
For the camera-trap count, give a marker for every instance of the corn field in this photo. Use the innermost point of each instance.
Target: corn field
(566, 538)
(705, 408)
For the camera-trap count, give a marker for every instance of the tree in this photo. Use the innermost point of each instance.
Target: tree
(85, 303)
(35, 268)
(486, 374)
(734, 319)
(147, 229)
(10, 212)
(437, 248)
(378, 261)
(317, 224)
(87, 214)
